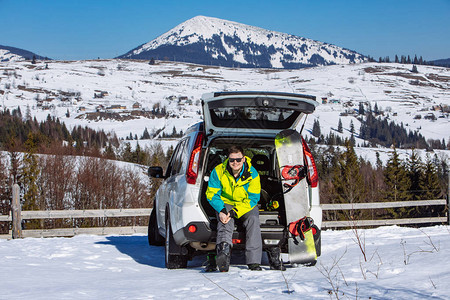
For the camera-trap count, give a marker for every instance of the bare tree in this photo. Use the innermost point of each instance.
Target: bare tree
(5, 193)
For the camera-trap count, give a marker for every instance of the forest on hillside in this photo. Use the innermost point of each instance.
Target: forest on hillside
(78, 172)
(345, 178)
(57, 169)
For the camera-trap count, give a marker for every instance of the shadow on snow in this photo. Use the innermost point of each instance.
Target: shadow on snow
(138, 249)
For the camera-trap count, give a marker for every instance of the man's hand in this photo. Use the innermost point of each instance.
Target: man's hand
(224, 218)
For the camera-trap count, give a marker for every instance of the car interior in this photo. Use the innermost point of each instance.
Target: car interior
(263, 158)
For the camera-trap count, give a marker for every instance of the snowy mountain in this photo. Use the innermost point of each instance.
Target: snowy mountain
(212, 41)
(15, 54)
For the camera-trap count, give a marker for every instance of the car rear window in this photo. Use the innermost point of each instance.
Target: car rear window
(253, 117)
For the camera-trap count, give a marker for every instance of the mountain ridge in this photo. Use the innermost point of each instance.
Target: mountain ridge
(445, 62)
(8, 53)
(213, 41)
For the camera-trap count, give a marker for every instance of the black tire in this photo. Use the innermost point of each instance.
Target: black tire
(173, 261)
(154, 238)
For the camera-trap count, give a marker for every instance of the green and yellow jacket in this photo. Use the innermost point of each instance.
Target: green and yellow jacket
(242, 193)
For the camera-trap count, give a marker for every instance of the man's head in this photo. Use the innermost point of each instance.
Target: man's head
(236, 158)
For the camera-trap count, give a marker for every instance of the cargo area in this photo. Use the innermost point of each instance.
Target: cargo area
(263, 158)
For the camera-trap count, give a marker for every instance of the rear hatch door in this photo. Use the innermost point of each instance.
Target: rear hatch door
(254, 113)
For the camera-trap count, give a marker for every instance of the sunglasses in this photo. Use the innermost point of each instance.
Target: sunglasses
(232, 160)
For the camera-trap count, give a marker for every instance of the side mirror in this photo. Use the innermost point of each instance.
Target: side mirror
(155, 172)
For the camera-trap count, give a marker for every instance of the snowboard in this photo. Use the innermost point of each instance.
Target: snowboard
(289, 149)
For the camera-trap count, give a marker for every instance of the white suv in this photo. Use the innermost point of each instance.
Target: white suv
(183, 220)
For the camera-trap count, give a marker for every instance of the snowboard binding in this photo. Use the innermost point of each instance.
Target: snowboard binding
(294, 173)
(300, 227)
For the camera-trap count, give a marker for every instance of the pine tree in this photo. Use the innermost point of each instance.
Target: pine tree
(441, 162)
(29, 175)
(352, 127)
(340, 129)
(28, 113)
(145, 135)
(352, 140)
(17, 112)
(361, 110)
(415, 173)
(379, 163)
(347, 180)
(376, 111)
(429, 182)
(397, 184)
(414, 69)
(127, 154)
(316, 128)
(174, 131)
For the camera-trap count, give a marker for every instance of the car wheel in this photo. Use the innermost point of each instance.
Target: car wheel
(173, 261)
(154, 238)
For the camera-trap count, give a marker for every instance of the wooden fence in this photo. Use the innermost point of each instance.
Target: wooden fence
(17, 216)
(384, 205)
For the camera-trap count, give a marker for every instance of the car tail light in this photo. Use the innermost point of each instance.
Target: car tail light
(192, 229)
(313, 176)
(192, 170)
(236, 241)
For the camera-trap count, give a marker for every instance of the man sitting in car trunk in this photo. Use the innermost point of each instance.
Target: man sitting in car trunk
(233, 191)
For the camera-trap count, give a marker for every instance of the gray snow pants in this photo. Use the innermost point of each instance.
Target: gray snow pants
(253, 242)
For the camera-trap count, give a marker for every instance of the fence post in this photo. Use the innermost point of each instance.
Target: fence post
(16, 211)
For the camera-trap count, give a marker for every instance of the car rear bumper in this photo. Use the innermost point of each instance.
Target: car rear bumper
(201, 236)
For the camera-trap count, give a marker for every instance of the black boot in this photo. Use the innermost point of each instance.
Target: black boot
(254, 267)
(223, 256)
(211, 265)
(274, 259)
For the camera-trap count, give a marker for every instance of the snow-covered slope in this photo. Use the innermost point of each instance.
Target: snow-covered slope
(15, 54)
(402, 263)
(213, 41)
(72, 91)
(6, 55)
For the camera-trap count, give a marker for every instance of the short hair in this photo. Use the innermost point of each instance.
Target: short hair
(235, 149)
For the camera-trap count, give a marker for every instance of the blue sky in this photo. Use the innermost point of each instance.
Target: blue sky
(87, 29)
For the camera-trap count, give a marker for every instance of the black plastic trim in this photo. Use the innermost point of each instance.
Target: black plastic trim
(246, 93)
(203, 233)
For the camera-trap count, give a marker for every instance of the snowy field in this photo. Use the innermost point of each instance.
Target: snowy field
(402, 263)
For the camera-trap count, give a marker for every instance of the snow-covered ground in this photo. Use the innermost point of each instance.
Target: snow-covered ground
(402, 263)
